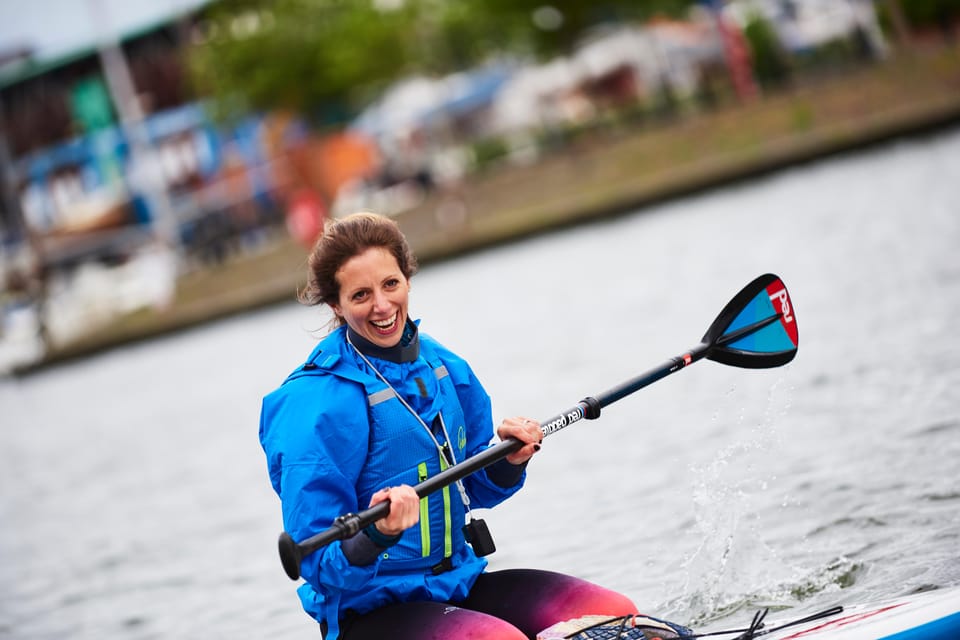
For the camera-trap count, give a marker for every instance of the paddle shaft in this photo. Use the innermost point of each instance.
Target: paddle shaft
(349, 524)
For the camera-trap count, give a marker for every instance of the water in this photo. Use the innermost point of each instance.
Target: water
(135, 501)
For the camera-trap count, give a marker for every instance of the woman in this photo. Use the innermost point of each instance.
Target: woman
(376, 408)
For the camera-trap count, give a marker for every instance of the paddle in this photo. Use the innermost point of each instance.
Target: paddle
(756, 330)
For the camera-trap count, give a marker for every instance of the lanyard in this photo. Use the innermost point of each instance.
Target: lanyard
(446, 450)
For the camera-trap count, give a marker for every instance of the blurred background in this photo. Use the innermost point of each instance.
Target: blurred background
(586, 185)
(164, 163)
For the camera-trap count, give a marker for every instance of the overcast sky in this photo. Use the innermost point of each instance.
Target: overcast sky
(56, 27)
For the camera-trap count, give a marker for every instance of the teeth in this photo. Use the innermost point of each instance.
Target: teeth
(384, 324)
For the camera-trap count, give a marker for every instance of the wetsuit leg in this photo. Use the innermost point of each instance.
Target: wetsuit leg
(427, 621)
(533, 600)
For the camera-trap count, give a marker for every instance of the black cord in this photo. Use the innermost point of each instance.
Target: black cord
(755, 625)
(753, 630)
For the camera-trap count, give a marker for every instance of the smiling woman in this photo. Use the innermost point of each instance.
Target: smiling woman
(377, 408)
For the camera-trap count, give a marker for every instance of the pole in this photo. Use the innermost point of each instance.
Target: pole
(145, 173)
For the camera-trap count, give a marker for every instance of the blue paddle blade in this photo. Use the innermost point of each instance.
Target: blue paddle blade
(757, 329)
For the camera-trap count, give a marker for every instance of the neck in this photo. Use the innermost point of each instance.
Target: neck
(407, 348)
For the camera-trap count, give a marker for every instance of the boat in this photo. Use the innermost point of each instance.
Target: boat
(928, 615)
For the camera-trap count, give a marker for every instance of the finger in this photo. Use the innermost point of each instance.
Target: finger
(523, 455)
(530, 423)
(403, 492)
(380, 496)
(531, 430)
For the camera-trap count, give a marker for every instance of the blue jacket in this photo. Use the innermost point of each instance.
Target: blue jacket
(334, 434)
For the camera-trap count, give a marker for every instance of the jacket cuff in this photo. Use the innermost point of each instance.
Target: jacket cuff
(362, 549)
(505, 475)
(380, 539)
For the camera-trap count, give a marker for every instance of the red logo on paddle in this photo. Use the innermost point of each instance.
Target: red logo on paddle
(779, 296)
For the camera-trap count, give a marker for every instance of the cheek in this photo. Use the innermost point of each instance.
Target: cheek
(355, 315)
(345, 310)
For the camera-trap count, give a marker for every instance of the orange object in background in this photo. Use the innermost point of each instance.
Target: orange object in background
(326, 163)
(341, 158)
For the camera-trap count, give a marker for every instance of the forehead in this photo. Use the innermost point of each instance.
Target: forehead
(367, 267)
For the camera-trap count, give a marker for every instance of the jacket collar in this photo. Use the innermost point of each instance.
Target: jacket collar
(407, 350)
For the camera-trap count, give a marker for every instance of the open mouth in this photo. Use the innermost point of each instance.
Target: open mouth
(387, 326)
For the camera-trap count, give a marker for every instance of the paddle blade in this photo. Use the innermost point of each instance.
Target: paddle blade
(757, 329)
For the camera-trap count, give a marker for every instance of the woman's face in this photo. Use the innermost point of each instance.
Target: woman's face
(373, 296)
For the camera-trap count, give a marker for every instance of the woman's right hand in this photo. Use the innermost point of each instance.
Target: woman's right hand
(404, 509)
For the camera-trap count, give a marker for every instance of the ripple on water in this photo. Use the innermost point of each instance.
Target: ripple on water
(937, 428)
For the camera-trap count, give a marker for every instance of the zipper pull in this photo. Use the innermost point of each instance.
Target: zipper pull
(447, 454)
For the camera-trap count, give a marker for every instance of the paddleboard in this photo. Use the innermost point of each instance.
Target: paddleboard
(930, 615)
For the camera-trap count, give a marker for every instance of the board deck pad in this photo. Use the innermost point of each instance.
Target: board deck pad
(637, 627)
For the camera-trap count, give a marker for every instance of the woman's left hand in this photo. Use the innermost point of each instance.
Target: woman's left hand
(525, 430)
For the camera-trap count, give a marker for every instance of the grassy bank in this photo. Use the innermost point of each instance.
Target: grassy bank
(600, 173)
(619, 169)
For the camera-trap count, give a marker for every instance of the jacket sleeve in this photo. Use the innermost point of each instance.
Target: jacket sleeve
(477, 414)
(315, 452)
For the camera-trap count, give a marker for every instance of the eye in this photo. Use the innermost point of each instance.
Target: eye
(358, 296)
(392, 283)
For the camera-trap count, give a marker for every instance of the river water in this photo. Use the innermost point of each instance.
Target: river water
(135, 501)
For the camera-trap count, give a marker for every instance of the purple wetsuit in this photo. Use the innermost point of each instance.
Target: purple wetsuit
(512, 604)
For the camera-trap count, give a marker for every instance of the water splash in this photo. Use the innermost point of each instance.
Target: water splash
(703, 607)
(732, 566)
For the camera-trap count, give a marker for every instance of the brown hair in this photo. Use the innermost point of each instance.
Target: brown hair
(348, 237)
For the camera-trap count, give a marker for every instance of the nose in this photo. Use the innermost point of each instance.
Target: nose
(380, 301)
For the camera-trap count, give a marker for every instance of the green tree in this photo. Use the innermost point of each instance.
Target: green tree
(931, 13)
(769, 61)
(313, 56)
(552, 27)
(326, 58)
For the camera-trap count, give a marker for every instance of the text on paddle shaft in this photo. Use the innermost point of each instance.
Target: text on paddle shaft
(563, 420)
(784, 304)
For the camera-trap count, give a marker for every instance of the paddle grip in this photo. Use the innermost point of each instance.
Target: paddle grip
(345, 526)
